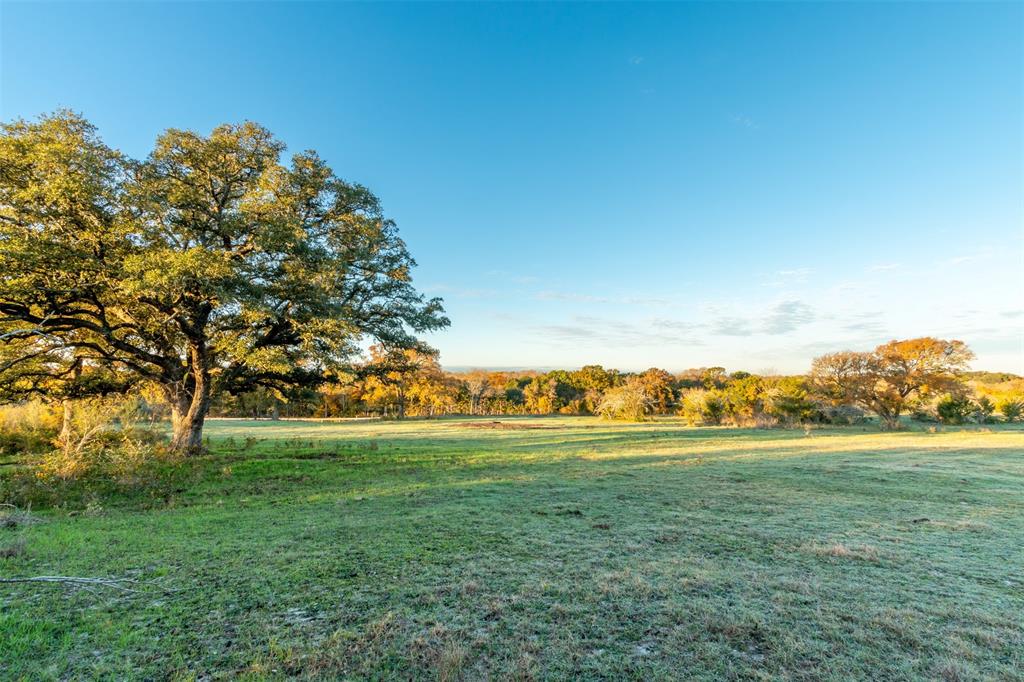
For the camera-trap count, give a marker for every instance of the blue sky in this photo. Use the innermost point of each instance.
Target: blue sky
(670, 185)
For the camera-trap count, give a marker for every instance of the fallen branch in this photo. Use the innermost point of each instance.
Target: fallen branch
(115, 583)
(17, 517)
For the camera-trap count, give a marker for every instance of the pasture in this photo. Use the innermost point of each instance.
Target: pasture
(539, 549)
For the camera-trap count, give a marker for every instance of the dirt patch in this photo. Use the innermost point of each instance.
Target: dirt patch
(507, 426)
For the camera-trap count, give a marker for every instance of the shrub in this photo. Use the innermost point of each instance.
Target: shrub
(954, 409)
(626, 402)
(99, 450)
(1011, 409)
(702, 407)
(27, 427)
(788, 402)
(923, 411)
(845, 414)
(133, 473)
(983, 410)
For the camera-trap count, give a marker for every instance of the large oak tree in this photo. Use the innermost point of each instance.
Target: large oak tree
(212, 265)
(884, 379)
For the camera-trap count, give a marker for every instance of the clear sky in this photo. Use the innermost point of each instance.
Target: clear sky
(671, 185)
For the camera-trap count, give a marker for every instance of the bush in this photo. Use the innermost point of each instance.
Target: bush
(141, 475)
(28, 427)
(983, 410)
(1012, 409)
(702, 407)
(787, 401)
(953, 409)
(100, 450)
(627, 402)
(845, 415)
(923, 411)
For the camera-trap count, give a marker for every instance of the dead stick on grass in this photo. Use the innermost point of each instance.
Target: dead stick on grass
(76, 581)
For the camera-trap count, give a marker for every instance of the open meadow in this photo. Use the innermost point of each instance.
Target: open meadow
(539, 549)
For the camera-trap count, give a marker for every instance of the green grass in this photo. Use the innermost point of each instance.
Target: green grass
(584, 549)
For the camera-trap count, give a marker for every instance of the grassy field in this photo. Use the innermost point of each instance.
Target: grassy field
(560, 548)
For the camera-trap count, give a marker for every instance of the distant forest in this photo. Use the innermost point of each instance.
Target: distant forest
(413, 384)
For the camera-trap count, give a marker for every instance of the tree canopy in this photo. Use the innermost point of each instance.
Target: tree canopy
(212, 265)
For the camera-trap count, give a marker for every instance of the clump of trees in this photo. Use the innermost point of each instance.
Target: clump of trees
(885, 380)
(212, 267)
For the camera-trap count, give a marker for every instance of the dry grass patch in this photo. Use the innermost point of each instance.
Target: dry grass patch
(964, 525)
(451, 661)
(839, 550)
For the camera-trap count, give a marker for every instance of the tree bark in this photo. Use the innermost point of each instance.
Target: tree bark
(401, 404)
(67, 423)
(189, 407)
(186, 428)
(891, 420)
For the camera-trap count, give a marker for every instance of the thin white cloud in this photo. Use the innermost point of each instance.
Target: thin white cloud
(866, 323)
(589, 298)
(788, 316)
(744, 121)
(785, 278)
(599, 332)
(731, 326)
(967, 257)
(959, 260)
(458, 292)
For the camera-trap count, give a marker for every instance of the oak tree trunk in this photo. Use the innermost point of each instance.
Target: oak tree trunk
(890, 420)
(190, 405)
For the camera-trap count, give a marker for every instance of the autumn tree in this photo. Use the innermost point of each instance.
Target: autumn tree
(590, 383)
(594, 378)
(541, 395)
(629, 401)
(433, 393)
(657, 384)
(212, 265)
(884, 380)
(713, 377)
(394, 375)
(478, 386)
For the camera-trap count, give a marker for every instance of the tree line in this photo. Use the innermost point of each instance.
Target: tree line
(924, 378)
